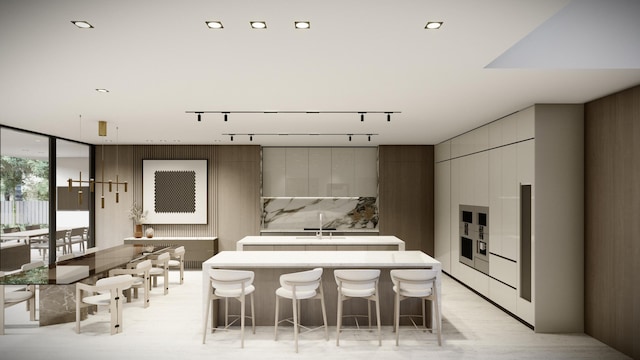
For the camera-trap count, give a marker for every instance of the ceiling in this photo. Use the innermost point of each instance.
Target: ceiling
(159, 61)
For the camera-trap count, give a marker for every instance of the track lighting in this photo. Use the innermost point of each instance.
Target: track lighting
(349, 137)
(225, 116)
(369, 137)
(388, 117)
(199, 117)
(361, 116)
(226, 113)
(250, 137)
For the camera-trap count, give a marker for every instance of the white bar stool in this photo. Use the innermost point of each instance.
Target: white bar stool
(304, 285)
(227, 284)
(357, 283)
(415, 283)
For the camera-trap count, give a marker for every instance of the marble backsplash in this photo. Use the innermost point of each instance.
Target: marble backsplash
(341, 213)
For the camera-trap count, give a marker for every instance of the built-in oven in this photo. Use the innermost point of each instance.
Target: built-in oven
(474, 237)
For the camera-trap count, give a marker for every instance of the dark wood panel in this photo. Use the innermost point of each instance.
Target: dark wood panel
(612, 205)
(406, 177)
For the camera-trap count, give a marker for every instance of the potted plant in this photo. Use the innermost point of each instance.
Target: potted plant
(138, 216)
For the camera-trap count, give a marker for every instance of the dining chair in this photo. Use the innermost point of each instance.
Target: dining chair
(161, 268)
(141, 279)
(416, 283)
(357, 283)
(303, 285)
(177, 261)
(106, 292)
(14, 296)
(77, 236)
(236, 284)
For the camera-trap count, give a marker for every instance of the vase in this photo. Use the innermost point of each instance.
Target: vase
(137, 232)
(149, 233)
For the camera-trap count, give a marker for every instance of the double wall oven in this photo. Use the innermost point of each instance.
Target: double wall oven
(474, 237)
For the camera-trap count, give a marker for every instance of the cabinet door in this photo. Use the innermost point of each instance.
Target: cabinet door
(297, 172)
(443, 218)
(319, 171)
(495, 200)
(273, 170)
(366, 171)
(480, 178)
(342, 172)
(509, 199)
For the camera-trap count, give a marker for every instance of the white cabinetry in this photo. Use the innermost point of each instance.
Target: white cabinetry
(320, 172)
(537, 149)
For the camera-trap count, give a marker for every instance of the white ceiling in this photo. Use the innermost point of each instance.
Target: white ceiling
(158, 60)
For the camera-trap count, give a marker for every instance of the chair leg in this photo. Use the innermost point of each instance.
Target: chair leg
(78, 301)
(339, 319)
(253, 314)
(242, 310)
(396, 309)
(275, 327)
(378, 320)
(2, 310)
(324, 314)
(436, 306)
(206, 317)
(295, 322)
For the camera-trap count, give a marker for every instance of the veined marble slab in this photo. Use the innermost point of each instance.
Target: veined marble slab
(341, 213)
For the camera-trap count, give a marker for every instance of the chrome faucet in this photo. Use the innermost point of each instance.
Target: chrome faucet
(320, 218)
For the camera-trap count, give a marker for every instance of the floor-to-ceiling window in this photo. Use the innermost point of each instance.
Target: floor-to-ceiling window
(34, 183)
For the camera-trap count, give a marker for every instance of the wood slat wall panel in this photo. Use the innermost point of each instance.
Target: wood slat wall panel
(612, 206)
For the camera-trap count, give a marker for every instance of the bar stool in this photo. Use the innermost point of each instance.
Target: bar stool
(415, 283)
(227, 284)
(357, 283)
(304, 285)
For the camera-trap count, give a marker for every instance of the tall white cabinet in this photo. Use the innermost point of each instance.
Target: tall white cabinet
(527, 168)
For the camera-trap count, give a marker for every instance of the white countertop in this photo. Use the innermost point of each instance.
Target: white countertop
(325, 240)
(174, 238)
(366, 230)
(305, 259)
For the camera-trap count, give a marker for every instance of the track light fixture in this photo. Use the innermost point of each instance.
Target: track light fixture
(369, 137)
(250, 137)
(231, 137)
(199, 116)
(349, 137)
(226, 113)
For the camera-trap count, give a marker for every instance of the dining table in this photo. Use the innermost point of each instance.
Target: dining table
(56, 282)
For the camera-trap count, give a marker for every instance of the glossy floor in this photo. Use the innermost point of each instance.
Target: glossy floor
(171, 329)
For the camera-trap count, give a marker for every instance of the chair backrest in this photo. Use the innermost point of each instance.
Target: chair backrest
(179, 252)
(62, 234)
(32, 265)
(143, 266)
(357, 279)
(162, 259)
(414, 279)
(77, 232)
(308, 280)
(230, 279)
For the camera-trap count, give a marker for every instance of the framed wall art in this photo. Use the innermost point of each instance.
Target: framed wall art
(174, 191)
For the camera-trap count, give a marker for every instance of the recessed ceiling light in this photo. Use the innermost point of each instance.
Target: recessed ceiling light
(82, 24)
(102, 90)
(214, 24)
(302, 24)
(432, 25)
(258, 24)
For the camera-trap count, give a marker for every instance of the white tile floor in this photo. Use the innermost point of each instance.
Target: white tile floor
(171, 329)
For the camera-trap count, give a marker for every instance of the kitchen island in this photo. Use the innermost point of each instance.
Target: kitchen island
(269, 265)
(326, 242)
